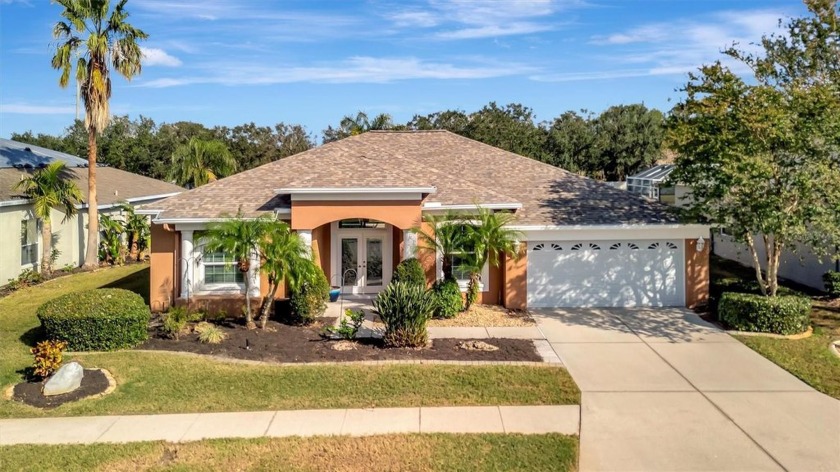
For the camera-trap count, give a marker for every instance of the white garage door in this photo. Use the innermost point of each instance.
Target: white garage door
(606, 273)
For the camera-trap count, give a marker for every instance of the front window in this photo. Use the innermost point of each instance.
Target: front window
(28, 241)
(220, 268)
(460, 266)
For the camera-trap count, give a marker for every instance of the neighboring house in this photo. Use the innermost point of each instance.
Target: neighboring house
(20, 238)
(653, 183)
(804, 267)
(355, 201)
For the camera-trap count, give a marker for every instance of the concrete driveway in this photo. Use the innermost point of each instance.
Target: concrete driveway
(664, 390)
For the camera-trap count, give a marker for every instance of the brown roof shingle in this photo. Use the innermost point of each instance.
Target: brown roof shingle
(463, 171)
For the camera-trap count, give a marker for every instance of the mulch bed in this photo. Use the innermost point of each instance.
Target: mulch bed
(93, 383)
(284, 343)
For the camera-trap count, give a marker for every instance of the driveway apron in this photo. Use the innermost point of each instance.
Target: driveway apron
(664, 390)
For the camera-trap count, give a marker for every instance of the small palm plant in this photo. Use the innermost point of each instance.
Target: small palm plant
(47, 188)
(488, 239)
(240, 238)
(111, 245)
(137, 230)
(285, 258)
(200, 161)
(445, 237)
(405, 309)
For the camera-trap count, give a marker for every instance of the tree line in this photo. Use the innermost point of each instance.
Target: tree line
(609, 146)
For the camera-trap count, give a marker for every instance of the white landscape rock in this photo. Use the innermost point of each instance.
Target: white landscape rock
(66, 379)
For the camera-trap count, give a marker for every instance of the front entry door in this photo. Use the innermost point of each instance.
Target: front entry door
(363, 261)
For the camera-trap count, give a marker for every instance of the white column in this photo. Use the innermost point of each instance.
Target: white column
(306, 237)
(254, 274)
(187, 263)
(409, 244)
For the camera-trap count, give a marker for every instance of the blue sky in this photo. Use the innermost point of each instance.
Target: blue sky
(227, 62)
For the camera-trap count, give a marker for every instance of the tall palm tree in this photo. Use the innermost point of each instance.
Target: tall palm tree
(285, 259)
(488, 237)
(50, 187)
(240, 238)
(445, 238)
(201, 161)
(111, 42)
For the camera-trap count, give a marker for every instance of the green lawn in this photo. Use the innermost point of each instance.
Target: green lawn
(809, 359)
(491, 452)
(165, 383)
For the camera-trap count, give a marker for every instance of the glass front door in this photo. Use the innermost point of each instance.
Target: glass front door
(362, 263)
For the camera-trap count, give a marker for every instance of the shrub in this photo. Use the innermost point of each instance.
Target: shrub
(27, 278)
(96, 320)
(410, 271)
(309, 301)
(733, 284)
(48, 356)
(175, 321)
(405, 309)
(211, 334)
(345, 329)
(786, 314)
(832, 283)
(448, 299)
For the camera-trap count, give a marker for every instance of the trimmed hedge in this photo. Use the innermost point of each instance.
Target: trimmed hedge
(785, 314)
(832, 283)
(410, 271)
(104, 319)
(733, 284)
(448, 299)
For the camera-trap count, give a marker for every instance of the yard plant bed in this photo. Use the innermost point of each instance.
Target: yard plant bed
(410, 452)
(486, 316)
(159, 382)
(93, 383)
(300, 344)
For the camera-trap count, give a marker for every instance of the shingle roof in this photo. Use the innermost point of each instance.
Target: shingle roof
(464, 172)
(15, 154)
(113, 185)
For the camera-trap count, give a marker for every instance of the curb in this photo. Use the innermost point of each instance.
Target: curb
(803, 335)
(231, 360)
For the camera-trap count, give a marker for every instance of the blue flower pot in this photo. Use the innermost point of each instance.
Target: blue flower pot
(334, 293)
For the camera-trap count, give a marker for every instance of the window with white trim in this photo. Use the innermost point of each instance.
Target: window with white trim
(221, 269)
(28, 241)
(461, 266)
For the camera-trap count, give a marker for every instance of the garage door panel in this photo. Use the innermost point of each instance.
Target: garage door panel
(605, 273)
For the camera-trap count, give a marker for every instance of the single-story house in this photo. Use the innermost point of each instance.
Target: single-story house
(20, 238)
(355, 201)
(802, 266)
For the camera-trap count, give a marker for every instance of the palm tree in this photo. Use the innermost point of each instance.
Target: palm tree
(111, 246)
(445, 238)
(285, 259)
(201, 161)
(359, 124)
(48, 188)
(488, 238)
(111, 42)
(240, 238)
(138, 231)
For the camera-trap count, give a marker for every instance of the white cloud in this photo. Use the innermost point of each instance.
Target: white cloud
(676, 47)
(360, 69)
(159, 57)
(473, 19)
(28, 109)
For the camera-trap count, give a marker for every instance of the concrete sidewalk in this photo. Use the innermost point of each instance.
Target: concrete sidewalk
(564, 419)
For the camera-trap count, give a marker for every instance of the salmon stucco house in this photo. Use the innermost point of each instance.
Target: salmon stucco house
(355, 201)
